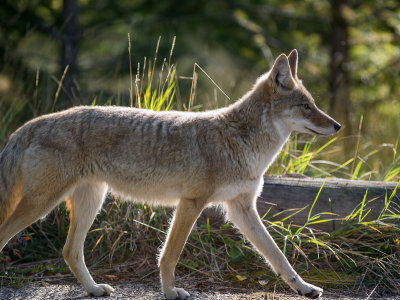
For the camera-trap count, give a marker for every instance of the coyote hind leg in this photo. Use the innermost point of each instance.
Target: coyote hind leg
(83, 205)
(28, 211)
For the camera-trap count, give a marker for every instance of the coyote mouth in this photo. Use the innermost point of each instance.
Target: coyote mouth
(315, 132)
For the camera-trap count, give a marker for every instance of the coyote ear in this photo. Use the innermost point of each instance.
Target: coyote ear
(293, 59)
(281, 74)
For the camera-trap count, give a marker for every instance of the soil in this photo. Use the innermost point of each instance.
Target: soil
(72, 291)
(131, 281)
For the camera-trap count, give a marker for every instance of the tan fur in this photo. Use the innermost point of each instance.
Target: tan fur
(183, 159)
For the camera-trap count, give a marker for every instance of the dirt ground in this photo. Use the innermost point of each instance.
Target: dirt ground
(131, 282)
(72, 291)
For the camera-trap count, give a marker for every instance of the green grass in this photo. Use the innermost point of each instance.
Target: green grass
(310, 156)
(360, 254)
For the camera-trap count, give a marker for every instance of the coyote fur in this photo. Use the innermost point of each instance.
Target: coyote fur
(183, 159)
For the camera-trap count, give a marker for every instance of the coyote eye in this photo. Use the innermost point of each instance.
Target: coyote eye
(306, 107)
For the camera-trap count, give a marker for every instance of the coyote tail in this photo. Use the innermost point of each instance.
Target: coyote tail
(10, 166)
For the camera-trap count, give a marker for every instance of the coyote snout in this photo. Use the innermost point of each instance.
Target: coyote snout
(318, 122)
(186, 160)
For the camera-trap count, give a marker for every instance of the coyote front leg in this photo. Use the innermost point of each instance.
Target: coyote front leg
(184, 218)
(243, 214)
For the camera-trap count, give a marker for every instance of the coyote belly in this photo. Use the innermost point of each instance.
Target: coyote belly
(182, 159)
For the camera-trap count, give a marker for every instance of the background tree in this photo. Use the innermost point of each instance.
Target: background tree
(340, 104)
(69, 48)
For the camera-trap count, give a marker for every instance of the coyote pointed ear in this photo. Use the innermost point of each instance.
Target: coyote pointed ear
(280, 73)
(293, 59)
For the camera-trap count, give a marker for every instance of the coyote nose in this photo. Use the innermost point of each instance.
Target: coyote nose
(337, 126)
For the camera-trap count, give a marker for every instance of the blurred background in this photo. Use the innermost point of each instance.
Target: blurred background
(349, 59)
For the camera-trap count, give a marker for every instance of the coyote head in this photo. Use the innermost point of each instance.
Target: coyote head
(292, 106)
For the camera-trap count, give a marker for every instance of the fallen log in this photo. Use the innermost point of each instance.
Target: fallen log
(283, 196)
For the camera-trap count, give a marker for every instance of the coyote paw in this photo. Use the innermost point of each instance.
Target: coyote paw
(310, 291)
(100, 290)
(176, 293)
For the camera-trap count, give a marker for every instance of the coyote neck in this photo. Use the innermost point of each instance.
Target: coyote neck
(262, 131)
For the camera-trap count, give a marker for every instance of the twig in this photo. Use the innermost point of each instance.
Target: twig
(130, 71)
(59, 88)
(209, 77)
(357, 145)
(193, 87)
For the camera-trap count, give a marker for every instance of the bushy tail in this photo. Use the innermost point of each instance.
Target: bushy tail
(10, 166)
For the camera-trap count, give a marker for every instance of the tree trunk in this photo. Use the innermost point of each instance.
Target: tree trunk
(69, 51)
(340, 105)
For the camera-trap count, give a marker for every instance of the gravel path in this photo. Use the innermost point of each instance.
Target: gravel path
(70, 291)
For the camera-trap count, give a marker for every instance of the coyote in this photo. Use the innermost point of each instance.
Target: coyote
(183, 159)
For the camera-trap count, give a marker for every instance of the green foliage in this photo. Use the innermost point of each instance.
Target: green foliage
(319, 157)
(160, 97)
